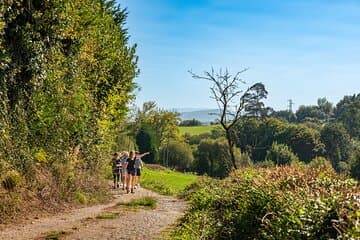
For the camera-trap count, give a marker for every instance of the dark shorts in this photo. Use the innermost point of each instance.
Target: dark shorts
(131, 172)
(138, 172)
(116, 177)
(116, 171)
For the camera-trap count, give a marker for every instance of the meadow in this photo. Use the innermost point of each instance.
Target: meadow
(166, 181)
(197, 130)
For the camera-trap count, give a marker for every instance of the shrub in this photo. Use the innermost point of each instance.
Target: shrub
(11, 180)
(195, 139)
(337, 145)
(243, 159)
(41, 156)
(273, 203)
(213, 158)
(80, 197)
(344, 168)
(281, 154)
(178, 155)
(4, 167)
(320, 162)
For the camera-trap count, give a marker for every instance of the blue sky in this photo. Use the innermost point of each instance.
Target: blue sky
(300, 50)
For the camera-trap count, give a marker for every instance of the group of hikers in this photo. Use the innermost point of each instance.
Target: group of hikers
(126, 169)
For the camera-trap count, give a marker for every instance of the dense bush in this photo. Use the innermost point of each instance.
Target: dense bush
(177, 155)
(337, 144)
(281, 154)
(10, 180)
(304, 141)
(273, 203)
(212, 157)
(319, 162)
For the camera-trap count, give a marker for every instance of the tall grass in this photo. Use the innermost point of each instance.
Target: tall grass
(274, 203)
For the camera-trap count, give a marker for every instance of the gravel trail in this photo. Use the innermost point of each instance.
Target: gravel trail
(82, 223)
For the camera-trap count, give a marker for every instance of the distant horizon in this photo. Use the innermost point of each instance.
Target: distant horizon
(295, 106)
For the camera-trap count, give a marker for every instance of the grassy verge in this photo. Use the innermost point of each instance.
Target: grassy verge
(165, 181)
(273, 203)
(144, 202)
(197, 130)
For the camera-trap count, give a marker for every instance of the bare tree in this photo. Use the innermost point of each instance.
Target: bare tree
(232, 100)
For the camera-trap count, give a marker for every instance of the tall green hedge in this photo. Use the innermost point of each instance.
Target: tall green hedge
(66, 77)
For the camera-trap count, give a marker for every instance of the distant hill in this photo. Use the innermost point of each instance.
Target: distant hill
(205, 115)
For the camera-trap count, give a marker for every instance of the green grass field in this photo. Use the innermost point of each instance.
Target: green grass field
(165, 181)
(197, 130)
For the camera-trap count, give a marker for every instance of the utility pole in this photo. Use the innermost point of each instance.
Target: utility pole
(291, 104)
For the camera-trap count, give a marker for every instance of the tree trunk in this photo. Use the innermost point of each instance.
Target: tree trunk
(231, 148)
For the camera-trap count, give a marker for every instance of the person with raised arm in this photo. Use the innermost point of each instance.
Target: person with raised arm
(138, 166)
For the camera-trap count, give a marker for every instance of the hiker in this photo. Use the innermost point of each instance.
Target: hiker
(124, 163)
(138, 166)
(116, 169)
(130, 179)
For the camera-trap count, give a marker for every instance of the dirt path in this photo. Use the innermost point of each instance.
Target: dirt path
(83, 224)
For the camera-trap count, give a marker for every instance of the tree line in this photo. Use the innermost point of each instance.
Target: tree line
(267, 140)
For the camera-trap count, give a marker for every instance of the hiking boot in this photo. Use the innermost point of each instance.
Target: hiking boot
(118, 186)
(132, 191)
(127, 190)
